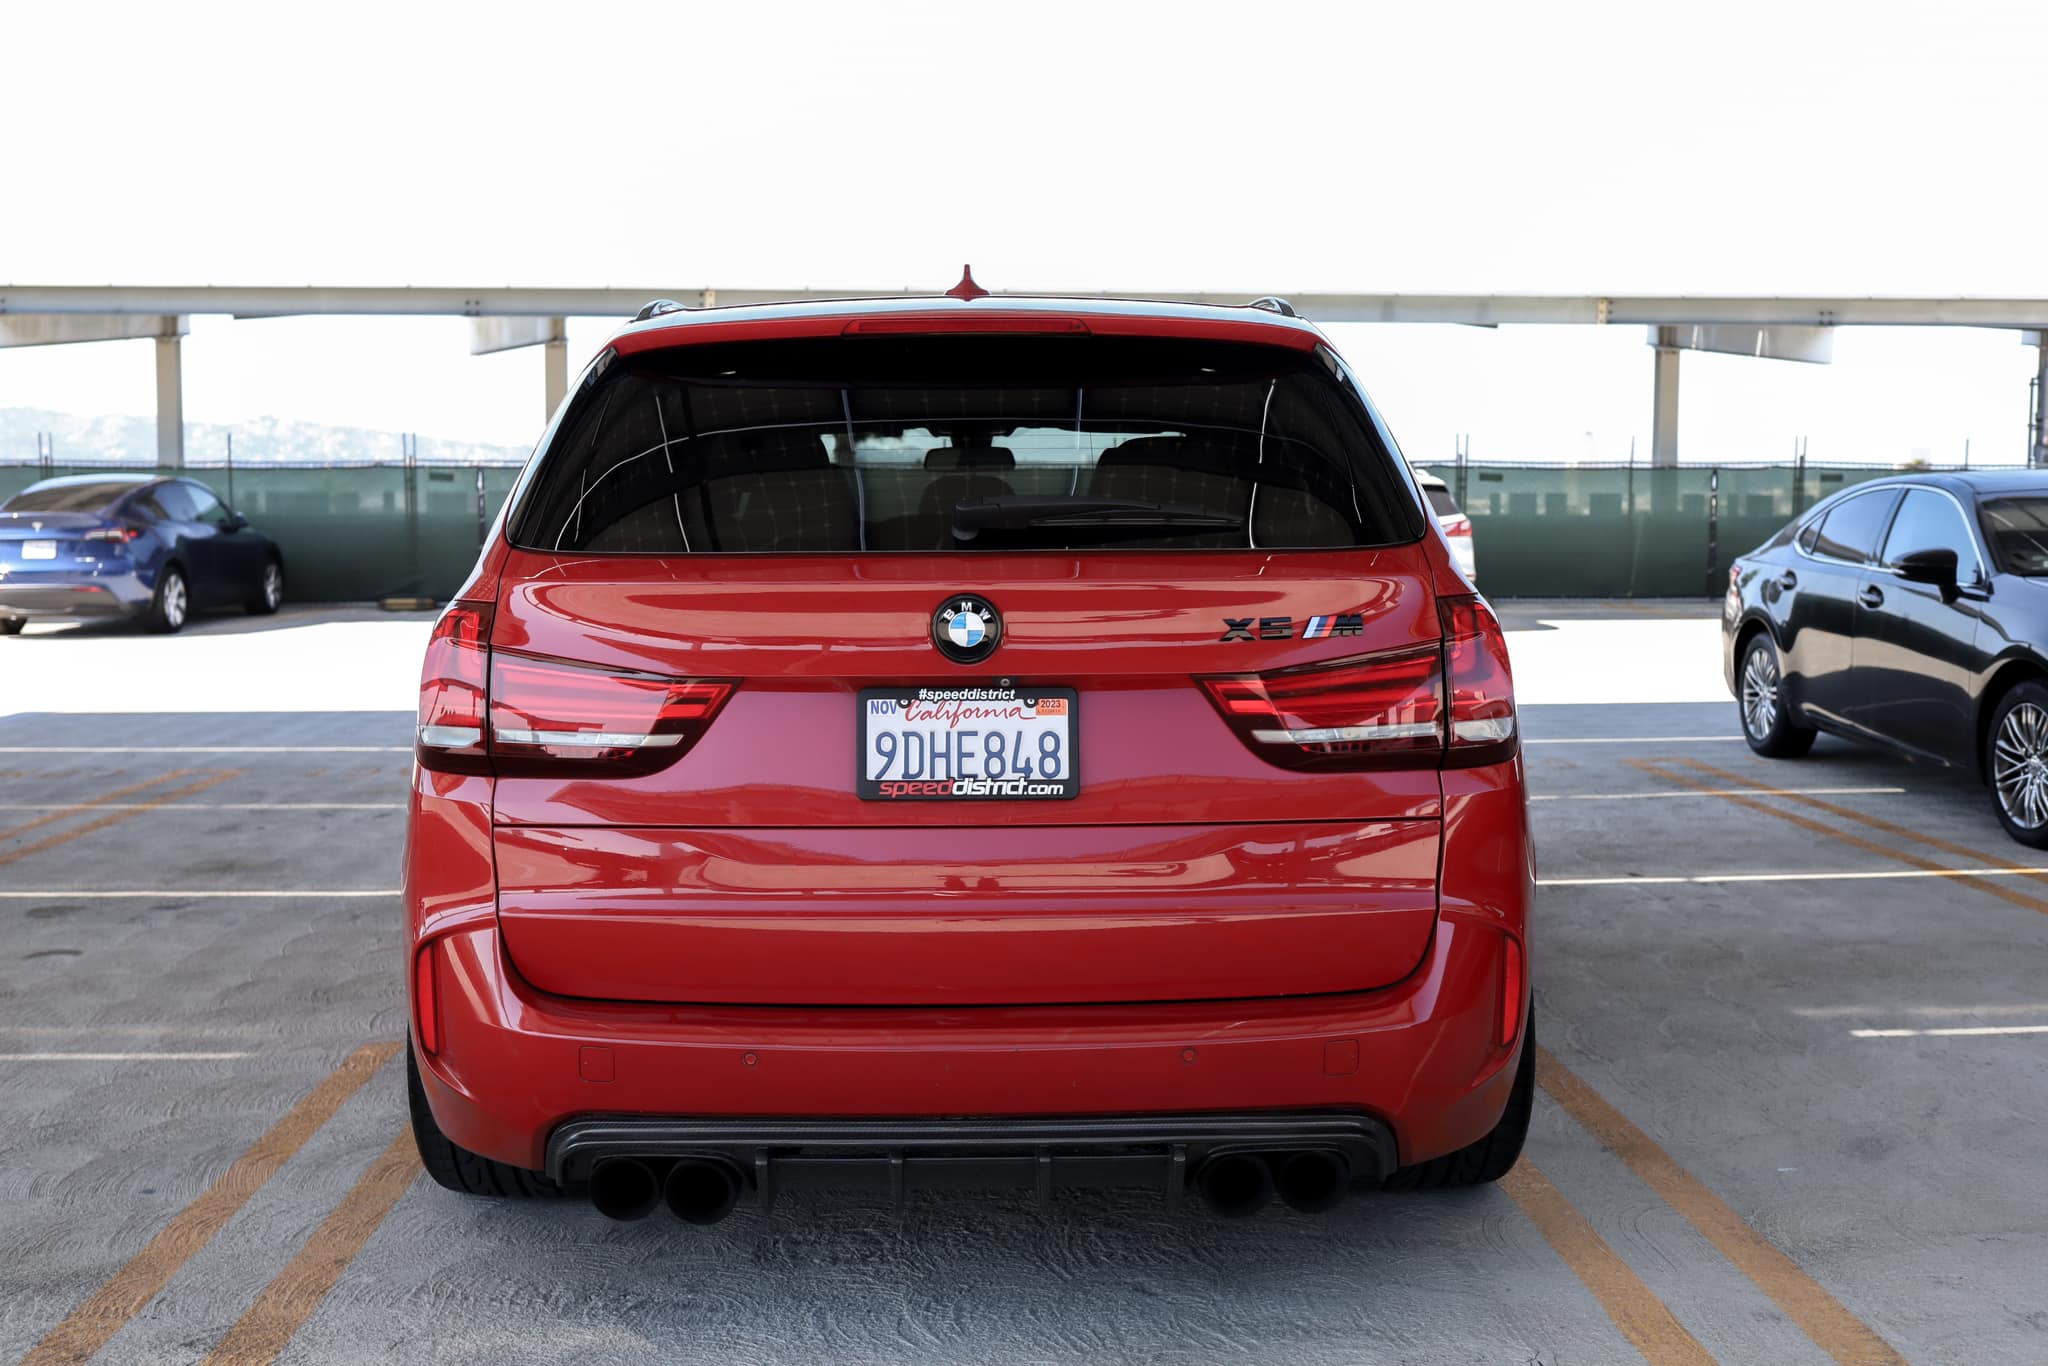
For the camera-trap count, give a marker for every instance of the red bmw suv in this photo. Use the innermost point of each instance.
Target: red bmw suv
(967, 741)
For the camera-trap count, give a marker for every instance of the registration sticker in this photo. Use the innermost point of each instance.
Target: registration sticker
(968, 742)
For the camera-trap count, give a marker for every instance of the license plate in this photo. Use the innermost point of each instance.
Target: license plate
(969, 742)
(39, 550)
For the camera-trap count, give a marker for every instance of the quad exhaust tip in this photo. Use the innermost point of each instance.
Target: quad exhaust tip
(1311, 1182)
(701, 1192)
(1238, 1185)
(697, 1190)
(624, 1188)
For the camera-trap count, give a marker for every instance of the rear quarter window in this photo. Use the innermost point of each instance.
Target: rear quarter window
(67, 498)
(956, 443)
(1851, 528)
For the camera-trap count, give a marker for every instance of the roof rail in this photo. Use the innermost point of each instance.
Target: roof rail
(1273, 303)
(656, 308)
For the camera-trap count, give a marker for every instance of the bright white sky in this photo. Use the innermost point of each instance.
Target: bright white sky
(1727, 147)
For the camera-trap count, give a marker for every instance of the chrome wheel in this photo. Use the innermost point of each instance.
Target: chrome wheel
(2019, 765)
(273, 587)
(174, 601)
(1759, 692)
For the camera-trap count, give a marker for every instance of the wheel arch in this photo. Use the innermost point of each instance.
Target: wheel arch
(2006, 674)
(1754, 624)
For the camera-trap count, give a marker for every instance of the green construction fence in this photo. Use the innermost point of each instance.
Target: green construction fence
(1628, 531)
(355, 533)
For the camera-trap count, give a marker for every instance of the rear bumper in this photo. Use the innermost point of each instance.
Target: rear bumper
(898, 1156)
(72, 595)
(517, 1068)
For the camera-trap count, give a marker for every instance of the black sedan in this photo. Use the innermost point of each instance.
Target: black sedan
(100, 545)
(1910, 612)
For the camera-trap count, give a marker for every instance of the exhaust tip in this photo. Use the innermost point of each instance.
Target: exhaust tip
(1312, 1182)
(623, 1188)
(701, 1192)
(1235, 1185)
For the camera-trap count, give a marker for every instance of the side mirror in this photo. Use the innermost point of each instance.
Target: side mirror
(236, 522)
(1936, 565)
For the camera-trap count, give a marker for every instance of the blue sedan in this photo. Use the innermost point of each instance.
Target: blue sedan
(97, 545)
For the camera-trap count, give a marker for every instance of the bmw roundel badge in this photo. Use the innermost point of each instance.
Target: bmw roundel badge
(966, 628)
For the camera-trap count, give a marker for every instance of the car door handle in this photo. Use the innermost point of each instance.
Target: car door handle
(1871, 596)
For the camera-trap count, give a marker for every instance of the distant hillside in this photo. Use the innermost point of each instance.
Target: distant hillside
(264, 440)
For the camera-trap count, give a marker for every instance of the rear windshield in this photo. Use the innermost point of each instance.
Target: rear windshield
(965, 443)
(1440, 501)
(67, 497)
(2017, 529)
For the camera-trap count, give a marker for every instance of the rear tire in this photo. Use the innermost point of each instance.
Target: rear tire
(269, 591)
(1760, 704)
(2016, 761)
(11, 626)
(1489, 1159)
(171, 603)
(456, 1168)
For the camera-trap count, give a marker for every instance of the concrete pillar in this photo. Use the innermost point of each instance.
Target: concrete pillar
(170, 399)
(1664, 423)
(2038, 456)
(556, 365)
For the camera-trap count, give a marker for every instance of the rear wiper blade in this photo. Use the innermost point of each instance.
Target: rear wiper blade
(1025, 511)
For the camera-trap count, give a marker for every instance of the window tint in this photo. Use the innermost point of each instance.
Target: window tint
(965, 443)
(1929, 521)
(205, 507)
(67, 497)
(1852, 526)
(176, 502)
(1808, 535)
(2018, 531)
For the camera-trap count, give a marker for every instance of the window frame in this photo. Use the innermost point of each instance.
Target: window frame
(1978, 548)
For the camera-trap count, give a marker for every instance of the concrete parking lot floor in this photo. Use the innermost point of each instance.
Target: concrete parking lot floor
(1793, 1091)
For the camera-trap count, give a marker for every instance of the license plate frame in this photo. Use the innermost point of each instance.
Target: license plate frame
(38, 550)
(972, 699)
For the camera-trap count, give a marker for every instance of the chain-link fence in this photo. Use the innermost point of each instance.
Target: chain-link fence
(352, 533)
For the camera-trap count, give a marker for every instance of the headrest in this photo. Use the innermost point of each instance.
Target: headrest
(970, 458)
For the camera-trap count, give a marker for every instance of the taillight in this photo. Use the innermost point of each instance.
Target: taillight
(426, 1000)
(1452, 702)
(119, 535)
(1457, 526)
(486, 711)
(1510, 989)
(452, 682)
(1482, 692)
(549, 710)
(1374, 712)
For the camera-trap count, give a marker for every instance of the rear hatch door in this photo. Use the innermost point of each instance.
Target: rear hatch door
(762, 864)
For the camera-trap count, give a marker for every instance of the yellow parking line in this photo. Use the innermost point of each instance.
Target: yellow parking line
(1883, 827)
(289, 1300)
(1972, 878)
(1818, 1314)
(59, 811)
(1642, 1317)
(214, 779)
(129, 1290)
